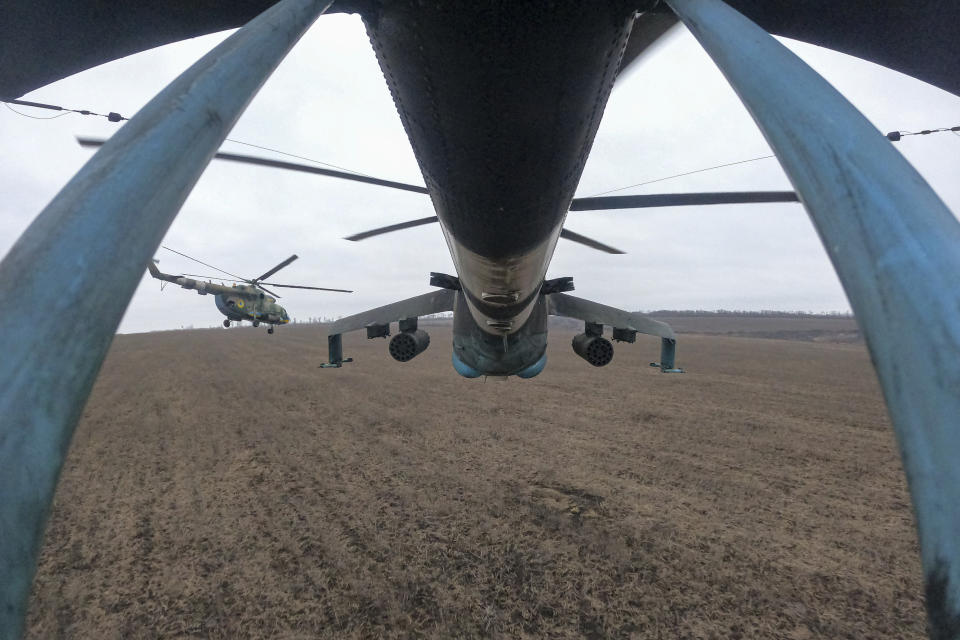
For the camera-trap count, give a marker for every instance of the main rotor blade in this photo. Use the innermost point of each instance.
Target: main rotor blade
(277, 268)
(680, 199)
(232, 275)
(647, 28)
(292, 166)
(409, 224)
(566, 234)
(300, 286)
(267, 290)
(197, 275)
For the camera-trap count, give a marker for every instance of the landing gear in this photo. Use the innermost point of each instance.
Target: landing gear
(256, 323)
(270, 330)
(226, 323)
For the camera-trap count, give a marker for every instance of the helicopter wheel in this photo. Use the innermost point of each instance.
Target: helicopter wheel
(226, 323)
(256, 323)
(270, 330)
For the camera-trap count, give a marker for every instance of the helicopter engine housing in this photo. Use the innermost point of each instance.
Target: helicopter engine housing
(190, 283)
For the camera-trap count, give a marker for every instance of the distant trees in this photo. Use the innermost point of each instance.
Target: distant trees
(767, 313)
(672, 313)
(315, 320)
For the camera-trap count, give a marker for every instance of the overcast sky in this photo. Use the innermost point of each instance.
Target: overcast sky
(328, 101)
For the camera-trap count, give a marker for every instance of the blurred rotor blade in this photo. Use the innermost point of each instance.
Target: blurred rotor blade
(268, 291)
(647, 29)
(292, 166)
(277, 268)
(409, 224)
(680, 199)
(232, 275)
(197, 275)
(566, 234)
(300, 286)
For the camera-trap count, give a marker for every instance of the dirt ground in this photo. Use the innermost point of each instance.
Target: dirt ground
(221, 485)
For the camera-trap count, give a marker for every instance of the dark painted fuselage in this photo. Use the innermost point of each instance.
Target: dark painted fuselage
(477, 352)
(501, 102)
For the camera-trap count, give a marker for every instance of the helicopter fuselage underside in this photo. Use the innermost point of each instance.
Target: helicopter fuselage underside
(477, 352)
(501, 128)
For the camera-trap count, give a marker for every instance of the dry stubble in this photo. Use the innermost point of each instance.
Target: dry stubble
(221, 485)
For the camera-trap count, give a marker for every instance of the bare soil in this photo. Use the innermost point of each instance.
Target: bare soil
(221, 485)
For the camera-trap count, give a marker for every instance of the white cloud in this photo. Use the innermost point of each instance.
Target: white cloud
(329, 101)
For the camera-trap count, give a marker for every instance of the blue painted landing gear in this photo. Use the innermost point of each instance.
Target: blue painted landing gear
(668, 354)
(335, 345)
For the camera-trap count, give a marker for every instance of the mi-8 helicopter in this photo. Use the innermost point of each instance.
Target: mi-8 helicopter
(247, 301)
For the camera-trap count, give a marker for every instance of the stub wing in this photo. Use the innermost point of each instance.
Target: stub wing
(625, 327)
(560, 304)
(425, 305)
(404, 310)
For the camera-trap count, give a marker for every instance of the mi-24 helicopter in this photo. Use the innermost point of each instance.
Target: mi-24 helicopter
(247, 300)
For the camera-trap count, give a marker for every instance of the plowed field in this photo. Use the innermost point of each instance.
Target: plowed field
(221, 485)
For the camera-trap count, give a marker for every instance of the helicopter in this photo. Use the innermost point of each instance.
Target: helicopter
(249, 301)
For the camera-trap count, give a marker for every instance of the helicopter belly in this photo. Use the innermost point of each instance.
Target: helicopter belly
(477, 352)
(501, 129)
(501, 294)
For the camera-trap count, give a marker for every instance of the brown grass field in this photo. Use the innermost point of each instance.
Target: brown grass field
(221, 485)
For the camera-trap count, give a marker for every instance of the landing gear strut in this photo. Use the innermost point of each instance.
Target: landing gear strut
(226, 323)
(270, 330)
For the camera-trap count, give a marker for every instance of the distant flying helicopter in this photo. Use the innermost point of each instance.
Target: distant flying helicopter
(248, 301)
